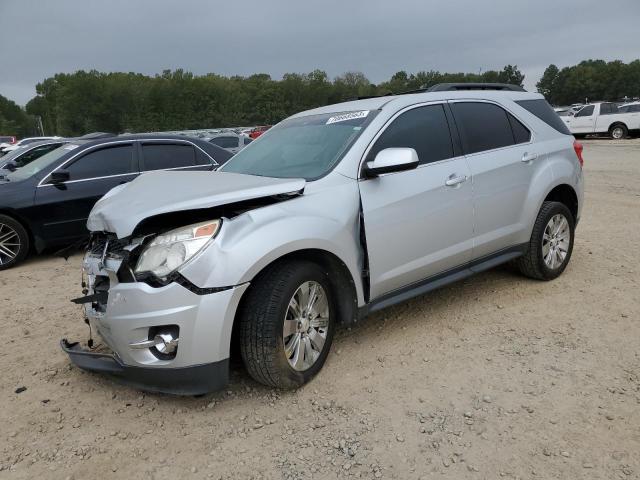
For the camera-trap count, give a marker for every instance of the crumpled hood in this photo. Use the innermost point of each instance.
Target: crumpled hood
(154, 193)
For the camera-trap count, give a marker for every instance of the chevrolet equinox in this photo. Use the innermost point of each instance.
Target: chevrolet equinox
(332, 214)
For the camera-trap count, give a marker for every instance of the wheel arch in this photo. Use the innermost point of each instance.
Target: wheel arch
(565, 194)
(618, 123)
(342, 282)
(343, 287)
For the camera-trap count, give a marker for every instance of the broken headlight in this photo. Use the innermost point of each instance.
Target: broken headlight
(171, 250)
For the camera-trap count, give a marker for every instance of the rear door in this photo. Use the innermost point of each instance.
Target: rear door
(172, 155)
(91, 174)
(416, 226)
(584, 121)
(502, 160)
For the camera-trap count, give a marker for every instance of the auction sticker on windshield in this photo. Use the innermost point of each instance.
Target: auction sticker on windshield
(347, 116)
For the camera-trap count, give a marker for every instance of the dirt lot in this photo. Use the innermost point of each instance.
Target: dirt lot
(495, 377)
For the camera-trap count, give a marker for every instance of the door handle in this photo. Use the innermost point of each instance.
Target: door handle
(529, 157)
(452, 181)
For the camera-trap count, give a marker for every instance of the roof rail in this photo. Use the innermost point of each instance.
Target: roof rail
(449, 87)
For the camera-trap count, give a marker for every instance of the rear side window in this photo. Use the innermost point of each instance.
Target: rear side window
(225, 142)
(424, 129)
(161, 156)
(608, 108)
(541, 109)
(484, 126)
(102, 163)
(521, 134)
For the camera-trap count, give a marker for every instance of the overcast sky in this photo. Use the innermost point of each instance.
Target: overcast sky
(39, 38)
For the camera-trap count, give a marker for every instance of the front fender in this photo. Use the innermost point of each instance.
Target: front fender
(326, 221)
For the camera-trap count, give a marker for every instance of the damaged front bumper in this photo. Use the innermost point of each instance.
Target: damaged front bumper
(193, 380)
(130, 318)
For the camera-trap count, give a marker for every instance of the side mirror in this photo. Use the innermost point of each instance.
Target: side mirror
(59, 176)
(391, 160)
(11, 166)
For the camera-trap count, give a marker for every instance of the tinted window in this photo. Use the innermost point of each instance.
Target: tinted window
(608, 108)
(102, 163)
(202, 158)
(521, 134)
(483, 126)
(225, 142)
(541, 109)
(160, 156)
(586, 111)
(424, 129)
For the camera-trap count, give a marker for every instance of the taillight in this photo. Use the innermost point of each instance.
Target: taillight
(577, 146)
(13, 140)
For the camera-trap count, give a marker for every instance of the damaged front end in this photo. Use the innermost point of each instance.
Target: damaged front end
(160, 331)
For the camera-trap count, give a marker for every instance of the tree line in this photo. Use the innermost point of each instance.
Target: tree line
(591, 80)
(71, 104)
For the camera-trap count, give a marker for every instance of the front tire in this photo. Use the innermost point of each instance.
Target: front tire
(14, 242)
(287, 324)
(551, 243)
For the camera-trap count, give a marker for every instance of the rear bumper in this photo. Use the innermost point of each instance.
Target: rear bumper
(192, 380)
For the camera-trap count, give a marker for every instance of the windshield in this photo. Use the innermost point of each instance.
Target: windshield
(39, 164)
(305, 147)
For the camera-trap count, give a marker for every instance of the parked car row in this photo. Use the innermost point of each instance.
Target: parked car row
(332, 214)
(46, 197)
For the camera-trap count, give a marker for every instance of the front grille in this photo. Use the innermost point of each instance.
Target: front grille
(115, 246)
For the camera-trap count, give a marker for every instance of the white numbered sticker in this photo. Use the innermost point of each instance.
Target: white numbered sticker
(348, 116)
(71, 146)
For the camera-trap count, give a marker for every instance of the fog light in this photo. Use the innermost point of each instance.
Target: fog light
(165, 343)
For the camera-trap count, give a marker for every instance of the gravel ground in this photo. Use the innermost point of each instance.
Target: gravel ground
(494, 377)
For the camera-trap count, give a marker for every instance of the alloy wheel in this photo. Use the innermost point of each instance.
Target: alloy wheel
(9, 244)
(306, 324)
(617, 133)
(555, 241)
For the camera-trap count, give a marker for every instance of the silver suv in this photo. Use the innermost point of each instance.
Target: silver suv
(333, 214)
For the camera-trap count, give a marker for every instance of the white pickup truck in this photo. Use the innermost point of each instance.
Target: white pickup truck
(603, 118)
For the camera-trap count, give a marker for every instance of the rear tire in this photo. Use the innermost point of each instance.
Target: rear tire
(284, 342)
(551, 243)
(618, 132)
(14, 242)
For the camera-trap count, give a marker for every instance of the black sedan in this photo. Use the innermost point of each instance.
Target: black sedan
(46, 203)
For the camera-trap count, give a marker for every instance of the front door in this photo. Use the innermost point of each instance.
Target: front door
(584, 121)
(65, 207)
(418, 223)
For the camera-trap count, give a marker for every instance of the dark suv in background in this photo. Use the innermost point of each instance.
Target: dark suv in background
(46, 202)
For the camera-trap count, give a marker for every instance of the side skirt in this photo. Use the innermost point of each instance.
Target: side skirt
(442, 279)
